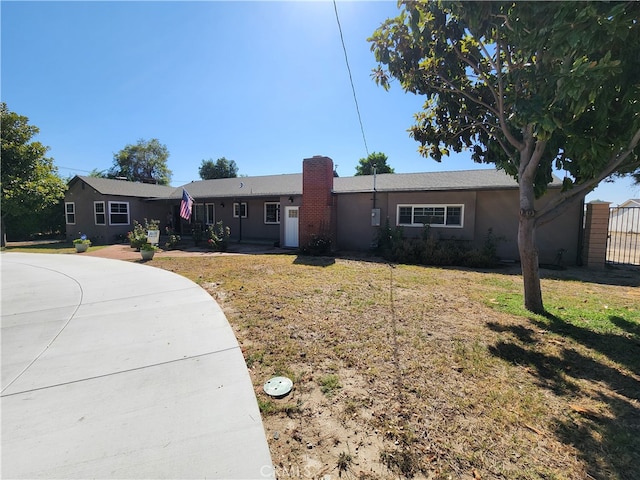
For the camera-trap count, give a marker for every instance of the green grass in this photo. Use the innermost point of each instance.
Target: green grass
(274, 407)
(583, 308)
(60, 248)
(329, 384)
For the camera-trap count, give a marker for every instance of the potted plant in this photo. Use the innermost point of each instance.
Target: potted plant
(137, 236)
(147, 250)
(140, 233)
(82, 243)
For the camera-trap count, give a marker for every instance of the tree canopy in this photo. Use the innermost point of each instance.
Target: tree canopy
(146, 161)
(528, 86)
(376, 159)
(30, 181)
(221, 168)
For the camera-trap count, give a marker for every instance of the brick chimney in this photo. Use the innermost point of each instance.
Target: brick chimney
(317, 212)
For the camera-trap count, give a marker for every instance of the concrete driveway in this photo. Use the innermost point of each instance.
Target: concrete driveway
(112, 369)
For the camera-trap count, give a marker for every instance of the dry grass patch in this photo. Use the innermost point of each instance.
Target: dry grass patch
(433, 373)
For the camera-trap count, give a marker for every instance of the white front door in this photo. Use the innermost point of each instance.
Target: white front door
(291, 227)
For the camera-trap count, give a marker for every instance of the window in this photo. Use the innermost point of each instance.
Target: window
(118, 213)
(240, 210)
(428, 215)
(198, 212)
(211, 213)
(454, 216)
(271, 212)
(99, 214)
(434, 215)
(70, 213)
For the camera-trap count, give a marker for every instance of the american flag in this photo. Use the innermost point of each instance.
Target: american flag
(185, 205)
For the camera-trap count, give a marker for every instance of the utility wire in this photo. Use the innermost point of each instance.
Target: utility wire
(353, 89)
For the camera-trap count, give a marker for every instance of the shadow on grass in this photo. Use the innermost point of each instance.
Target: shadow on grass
(609, 441)
(313, 261)
(48, 247)
(622, 349)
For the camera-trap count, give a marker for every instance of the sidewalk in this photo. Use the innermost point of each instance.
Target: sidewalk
(125, 252)
(119, 370)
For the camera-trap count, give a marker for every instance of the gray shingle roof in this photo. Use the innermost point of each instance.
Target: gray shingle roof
(124, 188)
(459, 180)
(265, 186)
(291, 184)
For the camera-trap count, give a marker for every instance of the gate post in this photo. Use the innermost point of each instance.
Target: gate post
(596, 231)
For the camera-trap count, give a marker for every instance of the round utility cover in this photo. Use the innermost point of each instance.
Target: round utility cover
(278, 386)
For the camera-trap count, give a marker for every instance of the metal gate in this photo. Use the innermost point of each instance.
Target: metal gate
(623, 241)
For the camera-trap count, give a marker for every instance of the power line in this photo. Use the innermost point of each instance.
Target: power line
(73, 169)
(353, 89)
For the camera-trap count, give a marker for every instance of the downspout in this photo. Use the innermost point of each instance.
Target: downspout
(374, 186)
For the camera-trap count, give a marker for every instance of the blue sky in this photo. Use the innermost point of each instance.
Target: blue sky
(261, 83)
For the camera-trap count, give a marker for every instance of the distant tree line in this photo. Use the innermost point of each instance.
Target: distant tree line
(31, 187)
(221, 168)
(32, 201)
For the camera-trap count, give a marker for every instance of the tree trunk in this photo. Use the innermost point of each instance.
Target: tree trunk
(529, 262)
(530, 156)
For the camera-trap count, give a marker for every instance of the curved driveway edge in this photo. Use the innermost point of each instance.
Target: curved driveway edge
(112, 369)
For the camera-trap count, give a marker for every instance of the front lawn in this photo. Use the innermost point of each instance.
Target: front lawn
(404, 371)
(46, 247)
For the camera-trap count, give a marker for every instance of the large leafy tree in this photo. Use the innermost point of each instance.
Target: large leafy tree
(375, 160)
(146, 161)
(31, 185)
(528, 86)
(221, 168)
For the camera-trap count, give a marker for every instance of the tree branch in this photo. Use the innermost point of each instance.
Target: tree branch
(536, 156)
(452, 87)
(564, 200)
(475, 121)
(473, 66)
(484, 126)
(497, 66)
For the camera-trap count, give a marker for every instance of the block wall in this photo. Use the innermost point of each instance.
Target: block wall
(596, 231)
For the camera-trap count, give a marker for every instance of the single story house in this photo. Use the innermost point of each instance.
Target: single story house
(290, 209)
(104, 209)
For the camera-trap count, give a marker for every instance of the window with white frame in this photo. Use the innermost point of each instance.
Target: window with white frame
(239, 210)
(433, 215)
(99, 213)
(118, 213)
(210, 212)
(272, 212)
(70, 213)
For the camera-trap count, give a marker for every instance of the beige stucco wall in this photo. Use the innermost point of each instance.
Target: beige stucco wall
(106, 234)
(354, 215)
(484, 209)
(499, 210)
